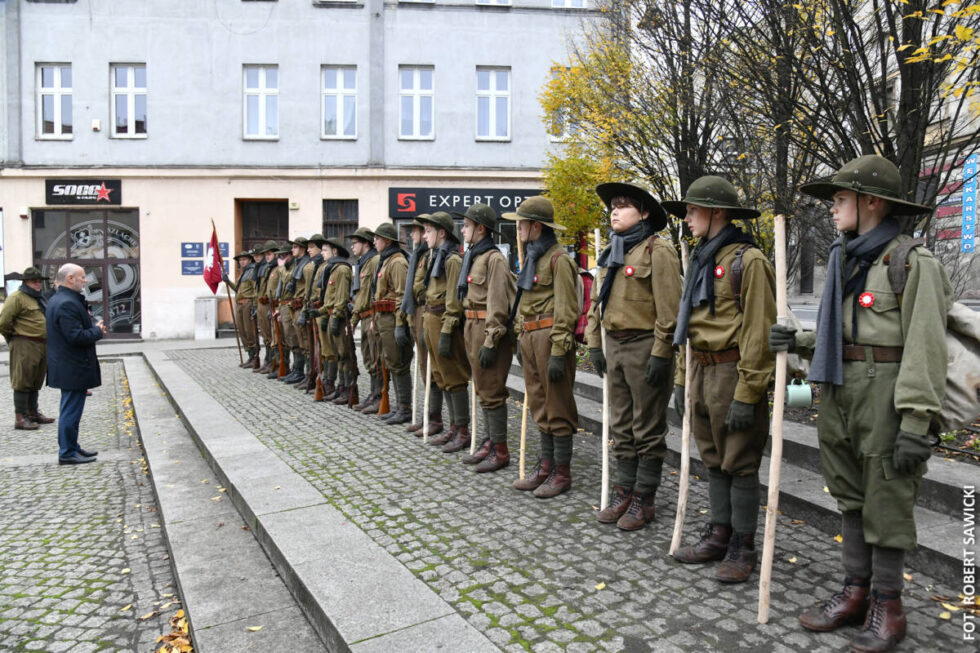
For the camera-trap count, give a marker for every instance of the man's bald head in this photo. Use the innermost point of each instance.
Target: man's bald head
(71, 276)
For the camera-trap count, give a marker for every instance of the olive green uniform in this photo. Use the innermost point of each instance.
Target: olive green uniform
(23, 325)
(418, 333)
(639, 320)
(363, 313)
(246, 291)
(443, 314)
(489, 296)
(303, 327)
(389, 287)
(335, 300)
(264, 311)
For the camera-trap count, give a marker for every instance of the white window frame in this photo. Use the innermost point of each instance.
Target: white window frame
(497, 3)
(130, 91)
(416, 93)
(493, 94)
(57, 92)
(337, 95)
(262, 92)
(569, 4)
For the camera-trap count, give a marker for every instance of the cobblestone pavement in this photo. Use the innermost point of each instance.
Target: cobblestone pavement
(543, 575)
(82, 555)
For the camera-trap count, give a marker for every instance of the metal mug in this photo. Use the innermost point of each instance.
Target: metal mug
(799, 394)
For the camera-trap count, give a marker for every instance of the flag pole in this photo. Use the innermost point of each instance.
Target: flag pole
(234, 320)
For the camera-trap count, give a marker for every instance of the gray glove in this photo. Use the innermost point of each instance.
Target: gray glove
(301, 320)
(487, 356)
(740, 416)
(446, 345)
(255, 313)
(679, 399)
(401, 336)
(556, 368)
(657, 371)
(291, 287)
(782, 338)
(910, 451)
(598, 361)
(335, 326)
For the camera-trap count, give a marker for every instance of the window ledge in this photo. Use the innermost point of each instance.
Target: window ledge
(338, 138)
(489, 139)
(337, 4)
(129, 137)
(49, 137)
(260, 138)
(416, 138)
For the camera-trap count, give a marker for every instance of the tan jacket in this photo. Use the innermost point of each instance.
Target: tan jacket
(22, 316)
(362, 302)
(338, 290)
(491, 288)
(437, 294)
(391, 284)
(553, 294)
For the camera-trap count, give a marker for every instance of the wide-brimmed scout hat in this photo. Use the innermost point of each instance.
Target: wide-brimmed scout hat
(33, 274)
(245, 253)
(364, 234)
(285, 248)
(317, 239)
(267, 246)
(417, 222)
(867, 175)
(638, 192)
(386, 230)
(711, 192)
(481, 214)
(339, 244)
(538, 209)
(441, 220)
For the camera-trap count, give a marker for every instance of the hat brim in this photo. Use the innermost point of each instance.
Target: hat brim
(463, 216)
(613, 189)
(375, 234)
(825, 190)
(336, 244)
(451, 233)
(35, 278)
(679, 209)
(517, 217)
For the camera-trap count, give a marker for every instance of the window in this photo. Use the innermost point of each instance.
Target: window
(261, 105)
(493, 104)
(493, 2)
(53, 84)
(339, 218)
(415, 100)
(129, 101)
(568, 4)
(339, 102)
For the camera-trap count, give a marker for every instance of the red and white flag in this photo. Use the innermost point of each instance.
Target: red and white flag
(213, 267)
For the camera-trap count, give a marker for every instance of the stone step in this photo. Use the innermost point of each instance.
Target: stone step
(802, 493)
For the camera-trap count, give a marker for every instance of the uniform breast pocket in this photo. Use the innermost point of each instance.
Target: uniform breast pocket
(636, 286)
(879, 301)
(544, 277)
(477, 276)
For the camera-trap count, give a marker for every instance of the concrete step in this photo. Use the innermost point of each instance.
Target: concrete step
(802, 493)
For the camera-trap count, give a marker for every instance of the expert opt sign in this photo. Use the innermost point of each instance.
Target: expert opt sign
(410, 202)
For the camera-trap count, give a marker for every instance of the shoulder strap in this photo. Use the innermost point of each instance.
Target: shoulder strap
(898, 264)
(554, 259)
(650, 242)
(736, 278)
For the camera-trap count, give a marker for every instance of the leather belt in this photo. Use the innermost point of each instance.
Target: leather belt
(274, 303)
(628, 333)
(317, 305)
(296, 303)
(705, 358)
(368, 313)
(263, 300)
(881, 354)
(540, 323)
(384, 306)
(247, 300)
(475, 315)
(32, 338)
(437, 309)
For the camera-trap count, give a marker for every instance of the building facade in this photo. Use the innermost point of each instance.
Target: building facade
(126, 128)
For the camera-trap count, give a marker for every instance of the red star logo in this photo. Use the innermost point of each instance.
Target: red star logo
(629, 271)
(866, 299)
(103, 193)
(719, 272)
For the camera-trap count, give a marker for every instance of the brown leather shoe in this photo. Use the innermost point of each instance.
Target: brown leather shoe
(39, 418)
(846, 607)
(558, 481)
(884, 627)
(712, 546)
(639, 512)
(461, 440)
(481, 452)
(371, 407)
(497, 458)
(445, 437)
(739, 561)
(536, 477)
(340, 396)
(618, 504)
(23, 423)
(435, 426)
(368, 400)
(412, 428)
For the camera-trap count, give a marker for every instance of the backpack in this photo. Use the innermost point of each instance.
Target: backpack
(961, 402)
(583, 290)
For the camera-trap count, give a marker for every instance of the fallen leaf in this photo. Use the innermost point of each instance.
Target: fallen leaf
(907, 577)
(126, 608)
(838, 538)
(951, 608)
(216, 498)
(255, 628)
(149, 615)
(826, 489)
(945, 615)
(797, 521)
(793, 559)
(276, 488)
(126, 570)
(600, 586)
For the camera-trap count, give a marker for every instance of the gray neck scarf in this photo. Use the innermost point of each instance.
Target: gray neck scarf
(535, 250)
(356, 283)
(612, 257)
(408, 299)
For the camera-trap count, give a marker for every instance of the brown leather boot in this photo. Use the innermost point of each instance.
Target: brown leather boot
(885, 625)
(340, 396)
(329, 389)
(372, 397)
(536, 477)
(445, 437)
(618, 504)
(846, 607)
(460, 441)
(412, 428)
(371, 407)
(739, 561)
(640, 512)
(435, 426)
(712, 546)
(558, 481)
(497, 458)
(481, 452)
(23, 423)
(39, 418)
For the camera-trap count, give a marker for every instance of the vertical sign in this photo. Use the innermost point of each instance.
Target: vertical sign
(969, 230)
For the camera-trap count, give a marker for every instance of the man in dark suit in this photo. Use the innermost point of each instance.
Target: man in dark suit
(72, 364)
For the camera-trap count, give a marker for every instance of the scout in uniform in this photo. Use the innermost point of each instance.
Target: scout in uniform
(635, 299)
(413, 304)
(315, 293)
(23, 326)
(733, 368)
(304, 323)
(263, 311)
(444, 330)
(486, 288)
(362, 244)
(289, 309)
(334, 318)
(877, 395)
(548, 309)
(276, 286)
(245, 294)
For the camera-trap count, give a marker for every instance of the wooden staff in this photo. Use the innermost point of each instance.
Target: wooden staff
(778, 399)
(683, 481)
(415, 388)
(604, 499)
(234, 320)
(473, 420)
(520, 467)
(428, 390)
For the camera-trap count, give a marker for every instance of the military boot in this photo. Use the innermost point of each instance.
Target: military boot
(460, 407)
(403, 390)
(846, 607)
(329, 378)
(739, 560)
(249, 360)
(712, 546)
(445, 437)
(639, 512)
(435, 426)
(558, 481)
(481, 452)
(532, 481)
(460, 441)
(24, 423)
(497, 458)
(33, 412)
(296, 371)
(885, 625)
(372, 395)
(274, 368)
(618, 503)
(264, 369)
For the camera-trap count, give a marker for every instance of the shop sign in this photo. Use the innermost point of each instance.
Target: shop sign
(410, 202)
(83, 191)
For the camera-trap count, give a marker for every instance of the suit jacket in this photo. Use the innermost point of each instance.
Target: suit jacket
(72, 363)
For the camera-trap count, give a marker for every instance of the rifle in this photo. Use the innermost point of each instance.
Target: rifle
(318, 353)
(352, 394)
(312, 335)
(384, 406)
(283, 370)
(255, 326)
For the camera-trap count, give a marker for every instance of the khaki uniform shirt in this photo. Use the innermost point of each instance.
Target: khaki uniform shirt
(304, 282)
(747, 329)
(645, 296)
(362, 302)
(22, 316)
(418, 285)
(262, 283)
(286, 274)
(338, 290)
(554, 293)
(491, 288)
(391, 284)
(437, 294)
(246, 288)
(317, 287)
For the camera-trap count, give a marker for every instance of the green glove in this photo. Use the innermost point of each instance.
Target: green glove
(487, 356)
(782, 338)
(658, 370)
(324, 323)
(679, 400)
(598, 361)
(446, 345)
(910, 451)
(401, 336)
(556, 368)
(740, 416)
(335, 326)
